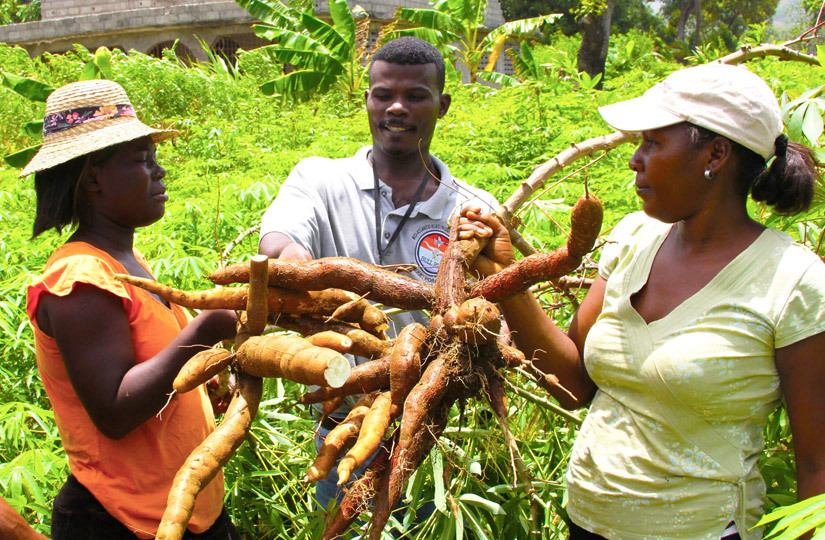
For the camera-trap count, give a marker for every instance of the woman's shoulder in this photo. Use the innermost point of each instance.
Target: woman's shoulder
(791, 255)
(74, 263)
(634, 226)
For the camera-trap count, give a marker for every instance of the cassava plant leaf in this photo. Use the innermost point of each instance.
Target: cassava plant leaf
(812, 125)
(439, 496)
(103, 62)
(88, 72)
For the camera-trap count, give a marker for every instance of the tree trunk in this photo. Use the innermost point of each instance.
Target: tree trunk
(688, 7)
(697, 6)
(595, 37)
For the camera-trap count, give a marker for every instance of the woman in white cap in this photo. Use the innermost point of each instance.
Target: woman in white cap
(108, 352)
(701, 320)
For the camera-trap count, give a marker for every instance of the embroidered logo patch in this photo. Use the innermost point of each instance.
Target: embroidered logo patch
(429, 250)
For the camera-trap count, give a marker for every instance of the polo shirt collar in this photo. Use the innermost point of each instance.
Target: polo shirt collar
(362, 169)
(436, 207)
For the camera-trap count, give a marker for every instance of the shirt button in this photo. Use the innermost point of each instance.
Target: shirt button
(387, 235)
(384, 193)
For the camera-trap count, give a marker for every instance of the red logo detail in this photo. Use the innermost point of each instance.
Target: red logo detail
(431, 247)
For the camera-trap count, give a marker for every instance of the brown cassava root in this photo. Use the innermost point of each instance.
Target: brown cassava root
(363, 343)
(530, 270)
(419, 376)
(377, 284)
(200, 368)
(461, 355)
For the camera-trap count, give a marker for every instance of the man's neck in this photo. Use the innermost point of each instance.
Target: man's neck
(404, 174)
(399, 171)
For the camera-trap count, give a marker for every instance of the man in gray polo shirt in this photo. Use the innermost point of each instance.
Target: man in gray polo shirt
(389, 203)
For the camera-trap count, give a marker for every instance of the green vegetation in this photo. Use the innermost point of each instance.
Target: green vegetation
(457, 28)
(236, 146)
(17, 11)
(324, 54)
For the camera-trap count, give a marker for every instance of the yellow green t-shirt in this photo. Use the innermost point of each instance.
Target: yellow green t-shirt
(670, 445)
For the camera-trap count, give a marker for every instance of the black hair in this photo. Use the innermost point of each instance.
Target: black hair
(412, 51)
(61, 193)
(787, 184)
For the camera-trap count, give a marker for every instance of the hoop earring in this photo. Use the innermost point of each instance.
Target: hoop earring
(708, 174)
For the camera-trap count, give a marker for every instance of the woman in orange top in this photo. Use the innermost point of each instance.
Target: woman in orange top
(108, 352)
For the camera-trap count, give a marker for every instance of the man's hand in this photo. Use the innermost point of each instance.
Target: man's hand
(498, 253)
(295, 252)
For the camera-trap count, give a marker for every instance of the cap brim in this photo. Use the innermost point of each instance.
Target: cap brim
(637, 114)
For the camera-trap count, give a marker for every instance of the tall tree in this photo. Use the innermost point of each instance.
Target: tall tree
(687, 8)
(815, 9)
(626, 15)
(697, 21)
(595, 38)
(19, 11)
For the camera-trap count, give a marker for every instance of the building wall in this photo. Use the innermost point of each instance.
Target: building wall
(58, 9)
(144, 24)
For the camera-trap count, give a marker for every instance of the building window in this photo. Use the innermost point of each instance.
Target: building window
(226, 47)
(181, 51)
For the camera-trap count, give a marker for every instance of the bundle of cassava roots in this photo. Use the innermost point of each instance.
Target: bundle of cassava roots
(408, 388)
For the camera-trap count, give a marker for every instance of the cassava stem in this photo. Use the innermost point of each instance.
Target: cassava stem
(257, 308)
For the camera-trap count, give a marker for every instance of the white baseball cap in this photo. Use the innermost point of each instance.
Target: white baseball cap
(728, 100)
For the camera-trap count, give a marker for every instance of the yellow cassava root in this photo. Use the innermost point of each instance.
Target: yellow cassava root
(200, 368)
(293, 358)
(204, 463)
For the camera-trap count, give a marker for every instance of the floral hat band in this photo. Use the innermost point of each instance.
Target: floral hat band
(63, 120)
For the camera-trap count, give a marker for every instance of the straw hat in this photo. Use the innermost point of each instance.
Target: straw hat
(84, 117)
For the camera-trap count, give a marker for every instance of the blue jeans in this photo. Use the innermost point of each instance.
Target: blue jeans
(328, 489)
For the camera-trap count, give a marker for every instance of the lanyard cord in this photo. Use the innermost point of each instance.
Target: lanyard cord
(378, 228)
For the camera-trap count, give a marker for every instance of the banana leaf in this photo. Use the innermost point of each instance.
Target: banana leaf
(28, 88)
(20, 158)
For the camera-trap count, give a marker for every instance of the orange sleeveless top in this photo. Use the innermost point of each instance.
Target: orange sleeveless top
(131, 477)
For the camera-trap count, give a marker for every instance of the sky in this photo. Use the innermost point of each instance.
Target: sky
(784, 11)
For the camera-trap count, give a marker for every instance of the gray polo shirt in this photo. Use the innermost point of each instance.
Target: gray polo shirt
(327, 206)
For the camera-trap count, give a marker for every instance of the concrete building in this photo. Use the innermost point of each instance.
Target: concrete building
(149, 26)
